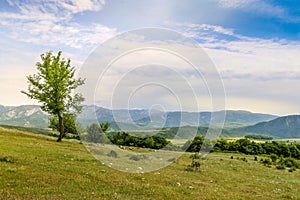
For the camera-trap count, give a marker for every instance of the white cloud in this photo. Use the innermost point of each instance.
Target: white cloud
(209, 27)
(264, 71)
(241, 54)
(50, 23)
(61, 8)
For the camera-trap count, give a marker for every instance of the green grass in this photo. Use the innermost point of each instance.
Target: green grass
(36, 167)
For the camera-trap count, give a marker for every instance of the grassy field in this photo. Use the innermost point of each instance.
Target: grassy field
(36, 167)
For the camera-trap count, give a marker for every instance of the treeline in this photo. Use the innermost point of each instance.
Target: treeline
(259, 137)
(245, 146)
(96, 133)
(124, 139)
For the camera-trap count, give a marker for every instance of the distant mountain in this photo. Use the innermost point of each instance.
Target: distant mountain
(141, 118)
(33, 116)
(282, 127)
(25, 115)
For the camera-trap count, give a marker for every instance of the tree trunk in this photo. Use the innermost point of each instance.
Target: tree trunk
(61, 128)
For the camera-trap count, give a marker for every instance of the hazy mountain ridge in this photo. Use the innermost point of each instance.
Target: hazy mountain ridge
(282, 127)
(24, 115)
(33, 116)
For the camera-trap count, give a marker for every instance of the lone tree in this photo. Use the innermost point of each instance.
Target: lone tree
(52, 86)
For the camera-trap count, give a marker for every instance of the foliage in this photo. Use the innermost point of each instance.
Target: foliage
(52, 87)
(273, 157)
(245, 146)
(194, 145)
(259, 137)
(104, 126)
(69, 123)
(186, 132)
(125, 139)
(95, 134)
(289, 162)
(195, 164)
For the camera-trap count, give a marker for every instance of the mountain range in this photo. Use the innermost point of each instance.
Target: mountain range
(33, 116)
(139, 119)
(24, 115)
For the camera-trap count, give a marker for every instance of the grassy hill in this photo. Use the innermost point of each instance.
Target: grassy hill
(282, 127)
(34, 166)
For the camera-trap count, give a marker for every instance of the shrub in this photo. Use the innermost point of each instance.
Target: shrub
(195, 165)
(290, 162)
(113, 154)
(273, 157)
(267, 161)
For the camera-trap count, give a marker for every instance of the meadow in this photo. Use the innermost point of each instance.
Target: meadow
(34, 166)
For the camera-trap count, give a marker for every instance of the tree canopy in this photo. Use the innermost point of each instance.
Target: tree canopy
(52, 86)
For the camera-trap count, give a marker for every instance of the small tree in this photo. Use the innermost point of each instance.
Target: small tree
(96, 133)
(52, 86)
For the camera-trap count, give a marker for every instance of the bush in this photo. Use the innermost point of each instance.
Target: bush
(289, 162)
(273, 157)
(125, 139)
(94, 133)
(113, 154)
(267, 161)
(195, 165)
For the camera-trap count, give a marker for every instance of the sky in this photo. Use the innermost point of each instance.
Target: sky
(254, 45)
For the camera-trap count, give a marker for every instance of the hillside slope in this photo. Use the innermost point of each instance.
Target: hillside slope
(36, 167)
(282, 127)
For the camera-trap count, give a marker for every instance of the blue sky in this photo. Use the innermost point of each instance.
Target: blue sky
(255, 44)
